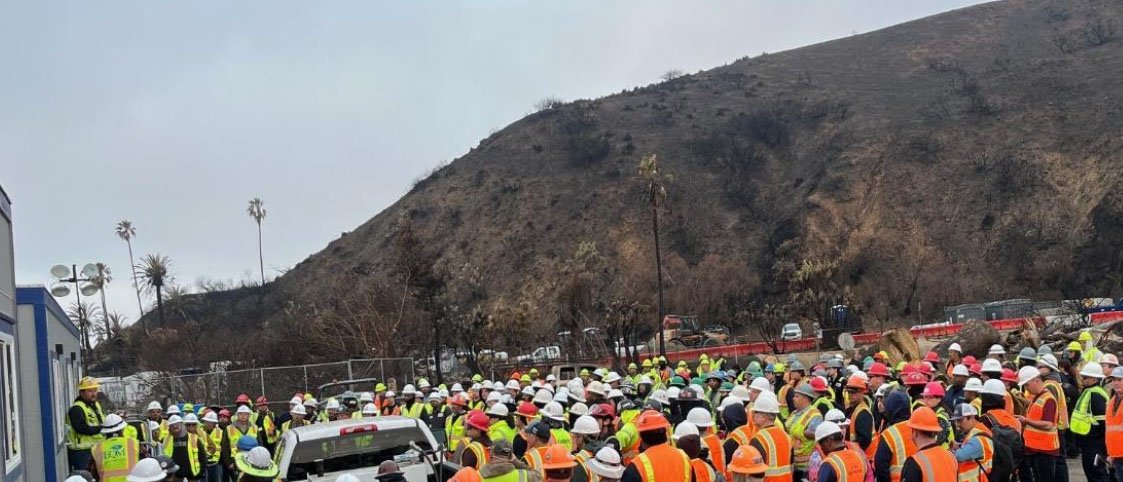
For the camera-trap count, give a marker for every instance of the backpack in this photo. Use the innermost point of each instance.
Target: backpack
(1009, 448)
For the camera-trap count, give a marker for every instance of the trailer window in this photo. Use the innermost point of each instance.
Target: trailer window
(9, 391)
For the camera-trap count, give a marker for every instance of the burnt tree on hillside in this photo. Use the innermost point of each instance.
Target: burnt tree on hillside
(415, 267)
(655, 193)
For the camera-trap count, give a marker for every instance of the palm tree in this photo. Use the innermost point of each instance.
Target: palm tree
(126, 231)
(153, 269)
(103, 277)
(83, 312)
(256, 210)
(655, 195)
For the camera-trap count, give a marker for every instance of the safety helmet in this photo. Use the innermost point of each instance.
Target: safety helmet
(262, 401)
(246, 443)
(819, 384)
(154, 406)
(806, 390)
(1028, 354)
(527, 410)
(543, 397)
(224, 413)
(369, 409)
(835, 415)
(311, 402)
(1026, 374)
(241, 398)
(684, 429)
(650, 420)
(990, 365)
(586, 425)
(513, 385)
(173, 410)
(257, 463)
(960, 370)
(1074, 346)
(826, 429)
(459, 400)
(113, 423)
(190, 419)
(767, 402)
(242, 409)
(700, 416)
(677, 381)
(779, 367)
(933, 389)
(1092, 370)
(299, 410)
(579, 409)
(796, 366)
(973, 385)
(409, 390)
(1048, 361)
(88, 383)
(747, 460)
(996, 349)
(380, 387)
(366, 397)
(645, 380)
(596, 387)
(879, 369)
(955, 347)
(423, 383)
(646, 363)
(760, 385)
(607, 463)
(633, 366)
(557, 457)
(147, 470)
(478, 420)
(210, 417)
(994, 387)
(856, 382)
(1008, 375)
(1117, 372)
(350, 478)
(554, 411)
(932, 357)
(615, 393)
(924, 420)
(1109, 359)
(1085, 336)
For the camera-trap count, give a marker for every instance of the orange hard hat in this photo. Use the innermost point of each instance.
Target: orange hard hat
(856, 382)
(651, 420)
(924, 420)
(747, 460)
(558, 457)
(458, 399)
(515, 376)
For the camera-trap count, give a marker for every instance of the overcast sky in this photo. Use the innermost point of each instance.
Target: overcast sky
(174, 114)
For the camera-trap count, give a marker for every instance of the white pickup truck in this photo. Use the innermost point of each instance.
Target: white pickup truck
(324, 451)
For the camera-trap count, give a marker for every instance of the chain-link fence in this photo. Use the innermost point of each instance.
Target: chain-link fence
(278, 384)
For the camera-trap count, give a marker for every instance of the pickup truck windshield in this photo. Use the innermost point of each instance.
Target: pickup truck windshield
(356, 451)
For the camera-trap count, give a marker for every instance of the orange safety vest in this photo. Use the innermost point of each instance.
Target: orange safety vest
(663, 463)
(1114, 427)
(898, 438)
(702, 471)
(466, 474)
(778, 447)
(482, 453)
(534, 459)
(1005, 419)
(862, 407)
(937, 464)
(1009, 401)
(977, 470)
(849, 465)
(1062, 403)
(717, 453)
(1035, 438)
(742, 435)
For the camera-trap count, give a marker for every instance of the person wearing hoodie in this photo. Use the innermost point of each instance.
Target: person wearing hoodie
(895, 444)
(503, 462)
(733, 417)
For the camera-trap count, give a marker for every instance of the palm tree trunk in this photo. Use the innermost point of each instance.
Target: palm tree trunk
(659, 276)
(136, 286)
(260, 256)
(104, 312)
(159, 305)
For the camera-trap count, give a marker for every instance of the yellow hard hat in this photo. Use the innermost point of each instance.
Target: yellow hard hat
(88, 383)
(381, 387)
(703, 357)
(647, 363)
(1085, 336)
(1075, 346)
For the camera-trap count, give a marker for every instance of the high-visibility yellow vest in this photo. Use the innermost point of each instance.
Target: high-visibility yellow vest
(501, 431)
(272, 435)
(94, 417)
(234, 433)
(1062, 403)
(192, 451)
(213, 441)
(115, 457)
(561, 437)
(803, 444)
(413, 411)
(454, 431)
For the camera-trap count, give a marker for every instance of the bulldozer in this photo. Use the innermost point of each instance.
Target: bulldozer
(685, 331)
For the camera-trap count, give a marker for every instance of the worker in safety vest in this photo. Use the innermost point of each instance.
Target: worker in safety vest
(734, 418)
(861, 429)
(747, 465)
(975, 452)
(500, 425)
(411, 406)
(185, 448)
(933, 398)
(659, 461)
(895, 444)
(115, 456)
(241, 426)
(605, 466)
(688, 439)
(84, 421)
(1113, 423)
(1091, 353)
(801, 425)
(503, 466)
(709, 438)
(156, 414)
(787, 392)
(265, 422)
(454, 424)
(1088, 423)
(474, 449)
(258, 466)
(297, 419)
(1039, 429)
(955, 357)
(770, 439)
(841, 463)
(213, 437)
(931, 462)
(538, 440)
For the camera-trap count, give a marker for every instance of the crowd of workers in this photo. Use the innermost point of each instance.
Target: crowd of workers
(1001, 418)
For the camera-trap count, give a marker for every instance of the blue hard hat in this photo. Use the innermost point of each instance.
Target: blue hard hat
(246, 443)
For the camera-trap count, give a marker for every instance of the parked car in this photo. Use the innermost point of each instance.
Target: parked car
(791, 331)
(324, 451)
(542, 354)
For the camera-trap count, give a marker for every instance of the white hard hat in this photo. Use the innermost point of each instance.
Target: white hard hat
(173, 409)
(607, 463)
(960, 370)
(346, 478)
(1048, 360)
(645, 380)
(994, 386)
(369, 409)
(554, 410)
(660, 396)
(190, 418)
(494, 397)
(113, 423)
(332, 404)
(685, 429)
(243, 409)
(423, 383)
(536, 384)
(443, 392)
(311, 402)
(527, 390)
(761, 384)
(973, 385)
(586, 425)
(551, 378)
(210, 417)
(389, 395)
(955, 347)
(499, 410)
(409, 390)
(611, 377)
(579, 409)
(861, 374)
(513, 385)
(153, 425)
(155, 406)
(766, 402)
(1026, 374)
(600, 372)
(826, 429)
(835, 415)
(700, 416)
(174, 419)
(147, 470)
(1109, 359)
(996, 349)
(595, 387)
(562, 396)
(299, 410)
(739, 393)
(75, 478)
(456, 388)
(1117, 372)
(366, 397)
(672, 393)
(296, 401)
(434, 396)
(543, 397)
(476, 387)
(990, 365)
(498, 386)
(1092, 370)
(615, 393)
(259, 457)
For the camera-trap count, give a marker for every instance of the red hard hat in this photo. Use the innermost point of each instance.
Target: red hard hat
(458, 399)
(243, 398)
(932, 357)
(224, 413)
(262, 401)
(477, 420)
(605, 410)
(924, 368)
(933, 389)
(909, 368)
(527, 409)
(879, 369)
(915, 379)
(1008, 375)
(975, 369)
(969, 360)
(819, 384)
